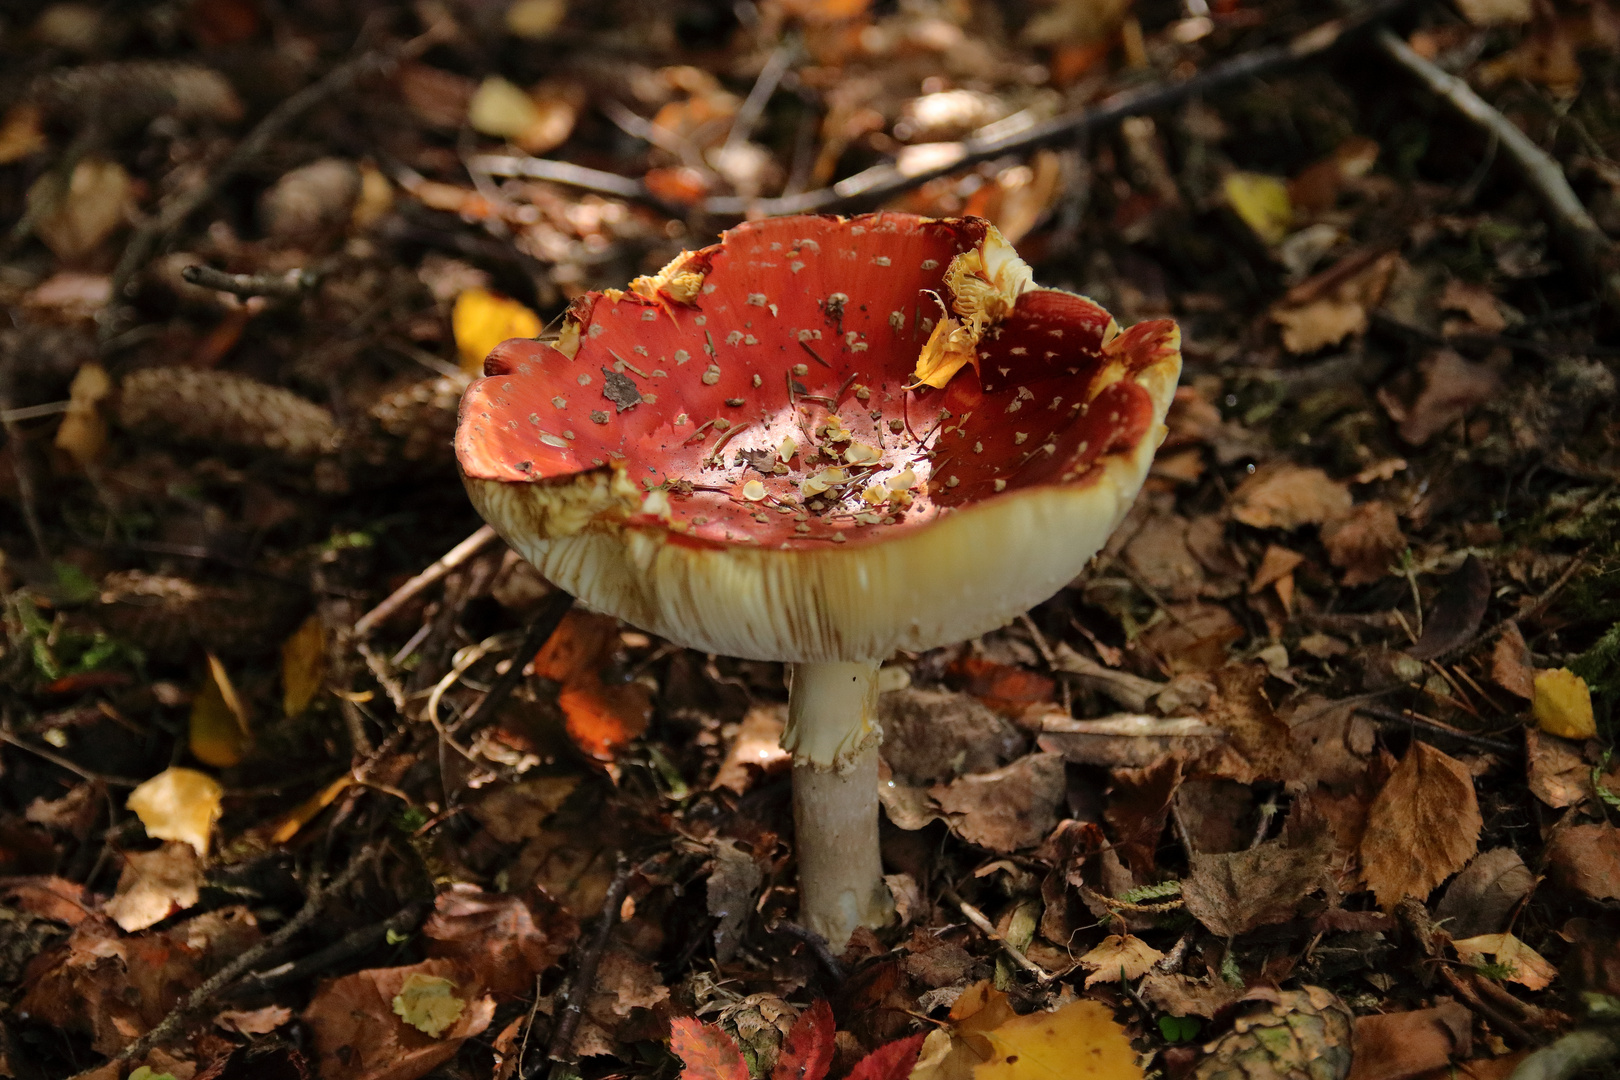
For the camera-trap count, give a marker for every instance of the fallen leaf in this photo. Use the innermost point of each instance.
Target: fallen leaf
(1559, 775)
(502, 938)
(20, 133)
(1287, 496)
(1262, 202)
(1525, 966)
(518, 812)
(1180, 995)
(1562, 705)
(732, 889)
(1330, 305)
(1049, 1044)
(1452, 387)
(1240, 890)
(481, 319)
(808, 1052)
(178, 804)
(358, 1036)
(1138, 808)
(1511, 666)
(1476, 301)
(428, 1003)
(601, 718)
(1586, 859)
(219, 734)
(303, 665)
(1422, 827)
(1006, 688)
(535, 122)
(1400, 1046)
(1364, 543)
(891, 1061)
(1119, 957)
(708, 1052)
(254, 1021)
(83, 432)
(1011, 808)
(78, 218)
(1493, 13)
(1319, 323)
(1465, 594)
(624, 985)
(1482, 899)
(155, 885)
(757, 749)
(1275, 565)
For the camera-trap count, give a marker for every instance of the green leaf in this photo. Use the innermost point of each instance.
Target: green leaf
(1179, 1029)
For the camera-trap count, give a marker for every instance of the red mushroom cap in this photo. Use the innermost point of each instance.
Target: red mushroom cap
(758, 403)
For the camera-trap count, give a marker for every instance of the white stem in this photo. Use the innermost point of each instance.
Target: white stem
(833, 735)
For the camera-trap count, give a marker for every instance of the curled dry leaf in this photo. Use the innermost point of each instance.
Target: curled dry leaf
(178, 804)
(502, 938)
(1286, 496)
(155, 885)
(1524, 965)
(1011, 808)
(1364, 543)
(732, 888)
(1559, 776)
(1482, 899)
(1119, 957)
(1422, 828)
(1458, 610)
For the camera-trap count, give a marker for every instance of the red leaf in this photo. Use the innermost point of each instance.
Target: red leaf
(891, 1061)
(708, 1052)
(808, 1052)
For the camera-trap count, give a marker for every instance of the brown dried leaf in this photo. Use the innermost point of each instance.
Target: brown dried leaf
(1452, 387)
(1559, 776)
(498, 937)
(1482, 899)
(1286, 496)
(1422, 828)
(1458, 610)
(1159, 555)
(1586, 859)
(1525, 966)
(1242, 710)
(1117, 957)
(357, 1036)
(1236, 892)
(757, 749)
(1398, 1046)
(155, 885)
(1011, 808)
(1138, 807)
(1511, 665)
(1364, 542)
(934, 735)
(1179, 995)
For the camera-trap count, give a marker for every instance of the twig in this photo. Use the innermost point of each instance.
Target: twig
(562, 1039)
(978, 918)
(171, 1024)
(63, 763)
(539, 632)
(277, 120)
(1573, 1053)
(817, 945)
(1416, 917)
(753, 107)
(290, 284)
(1390, 716)
(875, 185)
(19, 461)
(406, 592)
(356, 942)
(1585, 245)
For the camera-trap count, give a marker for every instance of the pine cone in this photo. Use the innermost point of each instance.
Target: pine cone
(219, 409)
(414, 424)
(171, 617)
(1285, 1035)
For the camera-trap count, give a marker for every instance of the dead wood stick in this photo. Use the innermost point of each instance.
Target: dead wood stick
(1593, 254)
(406, 592)
(982, 921)
(355, 943)
(1406, 719)
(282, 286)
(562, 1039)
(171, 1024)
(882, 182)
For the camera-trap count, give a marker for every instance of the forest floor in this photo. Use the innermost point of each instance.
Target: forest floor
(305, 774)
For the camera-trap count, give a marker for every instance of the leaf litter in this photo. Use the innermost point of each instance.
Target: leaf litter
(1319, 752)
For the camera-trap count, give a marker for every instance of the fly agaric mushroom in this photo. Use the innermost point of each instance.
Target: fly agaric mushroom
(821, 441)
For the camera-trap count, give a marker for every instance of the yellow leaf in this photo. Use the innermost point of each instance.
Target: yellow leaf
(1053, 1046)
(219, 722)
(1563, 705)
(1262, 202)
(20, 133)
(84, 212)
(83, 434)
(1117, 954)
(1525, 965)
(482, 320)
(501, 109)
(303, 663)
(305, 812)
(178, 804)
(428, 1003)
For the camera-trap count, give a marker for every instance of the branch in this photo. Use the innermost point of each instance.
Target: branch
(1593, 254)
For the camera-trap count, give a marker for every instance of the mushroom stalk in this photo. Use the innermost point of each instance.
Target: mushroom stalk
(833, 735)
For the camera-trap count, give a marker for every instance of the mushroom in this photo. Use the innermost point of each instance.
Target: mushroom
(822, 441)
